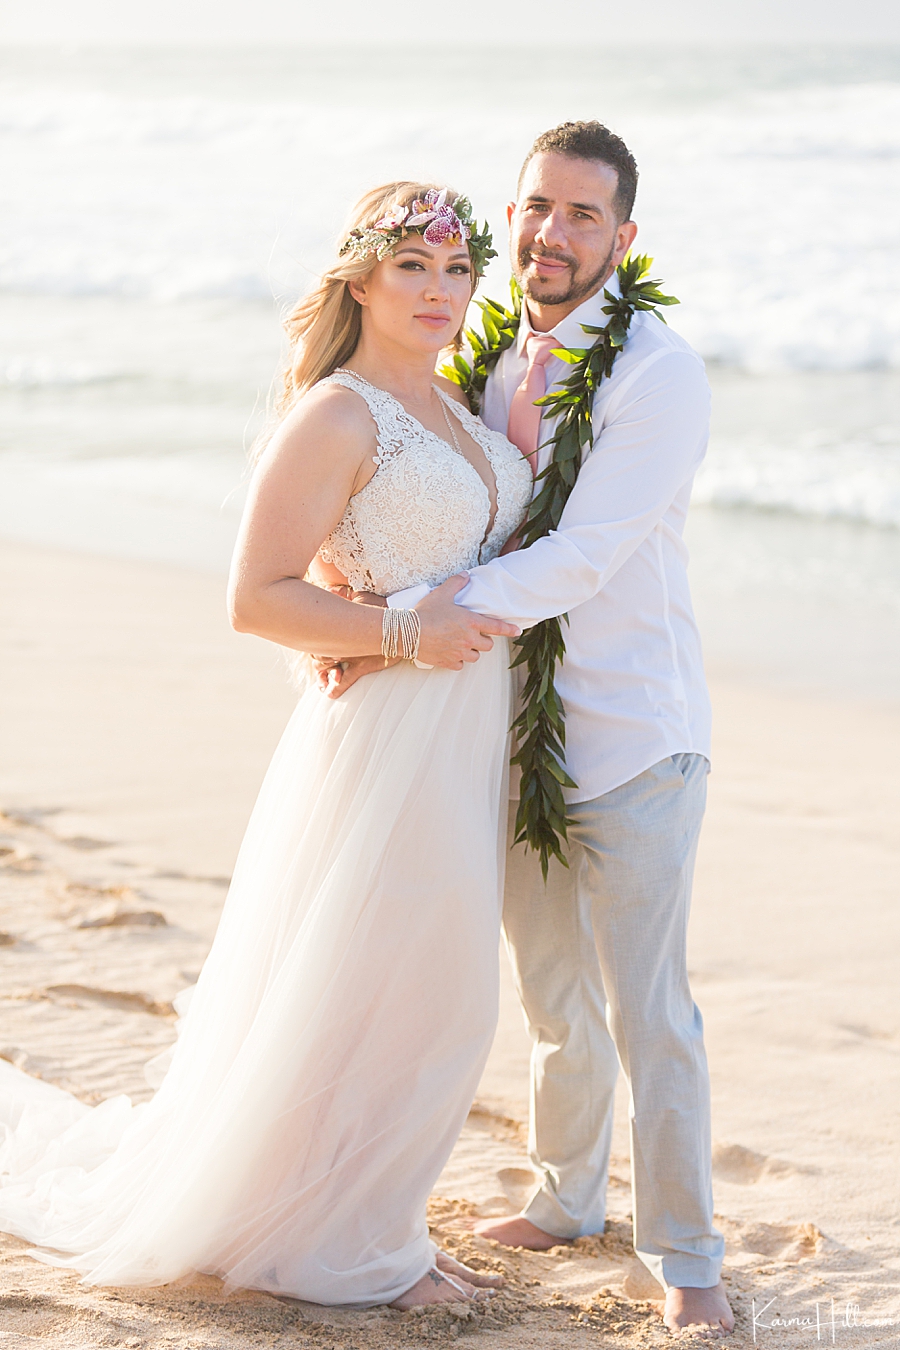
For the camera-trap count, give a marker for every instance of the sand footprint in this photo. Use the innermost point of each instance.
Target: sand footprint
(782, 1241)
(20, 860)
(19, 1058)
(518, 1185)
(116, 917)
(733, 1162)
(640, 1284)
(110, 998)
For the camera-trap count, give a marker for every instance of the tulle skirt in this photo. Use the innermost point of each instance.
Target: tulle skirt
(338, 1030)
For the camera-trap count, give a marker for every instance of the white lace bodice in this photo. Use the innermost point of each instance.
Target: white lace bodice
(425, 513)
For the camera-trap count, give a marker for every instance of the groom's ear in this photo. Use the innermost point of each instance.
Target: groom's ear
(509, 212)
(625, 236)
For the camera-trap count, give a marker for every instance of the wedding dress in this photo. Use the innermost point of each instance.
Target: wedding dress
(336, 1035)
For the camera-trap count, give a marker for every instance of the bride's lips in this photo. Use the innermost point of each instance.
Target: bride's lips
(434, 320)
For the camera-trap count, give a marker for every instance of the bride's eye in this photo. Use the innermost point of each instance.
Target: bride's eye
(411, 266)
(460, 270)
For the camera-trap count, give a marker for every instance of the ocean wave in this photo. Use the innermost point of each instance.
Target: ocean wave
(164, 278)
(855, 480)
(41, 374)
(744, 203)
(214, 482)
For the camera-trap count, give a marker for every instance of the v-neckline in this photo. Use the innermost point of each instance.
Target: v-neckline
(493, 508)
(493, 511)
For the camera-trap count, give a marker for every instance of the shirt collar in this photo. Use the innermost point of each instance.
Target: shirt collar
(569, 331)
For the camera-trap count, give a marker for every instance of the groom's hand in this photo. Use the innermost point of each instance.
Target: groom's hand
(336, 677)
(453, 635)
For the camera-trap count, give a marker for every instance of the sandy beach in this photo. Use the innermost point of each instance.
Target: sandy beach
(136, 728)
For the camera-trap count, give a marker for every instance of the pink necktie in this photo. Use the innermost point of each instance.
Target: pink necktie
(524, 418)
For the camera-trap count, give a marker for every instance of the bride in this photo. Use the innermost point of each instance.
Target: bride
(334, 1041)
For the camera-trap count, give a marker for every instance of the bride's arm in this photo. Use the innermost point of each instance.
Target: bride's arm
(318, 458)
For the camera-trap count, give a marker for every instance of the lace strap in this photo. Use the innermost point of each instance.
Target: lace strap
(385, 410)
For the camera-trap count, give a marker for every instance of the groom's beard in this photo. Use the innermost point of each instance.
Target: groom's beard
(573, 288)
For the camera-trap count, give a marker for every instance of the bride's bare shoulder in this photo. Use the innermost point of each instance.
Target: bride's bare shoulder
(329, 419)
(330, 405)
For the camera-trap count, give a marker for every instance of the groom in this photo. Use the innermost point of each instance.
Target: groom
(599, 952)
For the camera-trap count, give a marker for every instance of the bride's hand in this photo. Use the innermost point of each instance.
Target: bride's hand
(453, 635)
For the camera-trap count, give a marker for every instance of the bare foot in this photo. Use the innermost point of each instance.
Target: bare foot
(519, 1232)
(465, 1274)
(435, 1287)
(699, 1310)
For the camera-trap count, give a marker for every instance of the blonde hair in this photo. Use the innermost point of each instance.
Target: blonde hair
(324, 326)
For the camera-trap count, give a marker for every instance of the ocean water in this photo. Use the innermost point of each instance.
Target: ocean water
(162, 207)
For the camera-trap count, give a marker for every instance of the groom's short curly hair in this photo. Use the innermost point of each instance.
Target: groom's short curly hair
(592, 140)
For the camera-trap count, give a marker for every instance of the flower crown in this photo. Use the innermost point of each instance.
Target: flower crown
(437, 222)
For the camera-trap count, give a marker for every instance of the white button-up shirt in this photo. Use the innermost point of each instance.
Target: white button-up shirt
(632, 680)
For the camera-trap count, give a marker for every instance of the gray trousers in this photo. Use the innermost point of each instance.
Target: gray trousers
(599, 958)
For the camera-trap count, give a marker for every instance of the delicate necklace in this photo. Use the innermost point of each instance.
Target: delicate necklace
(450, 426)
(492, 519)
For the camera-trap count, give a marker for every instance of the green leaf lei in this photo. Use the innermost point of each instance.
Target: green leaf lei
(541, 820)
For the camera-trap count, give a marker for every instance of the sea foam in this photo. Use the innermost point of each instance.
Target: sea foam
(771, 215)
(856, 479)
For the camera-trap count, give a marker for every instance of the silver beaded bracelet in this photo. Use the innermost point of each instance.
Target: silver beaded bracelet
(401, 631)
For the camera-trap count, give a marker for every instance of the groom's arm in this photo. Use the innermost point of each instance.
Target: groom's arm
(641, 459)
(652, 444)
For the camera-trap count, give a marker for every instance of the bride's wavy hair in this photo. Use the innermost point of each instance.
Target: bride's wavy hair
(324, 326)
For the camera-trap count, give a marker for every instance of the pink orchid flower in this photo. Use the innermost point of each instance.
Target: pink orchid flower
(394, 218)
